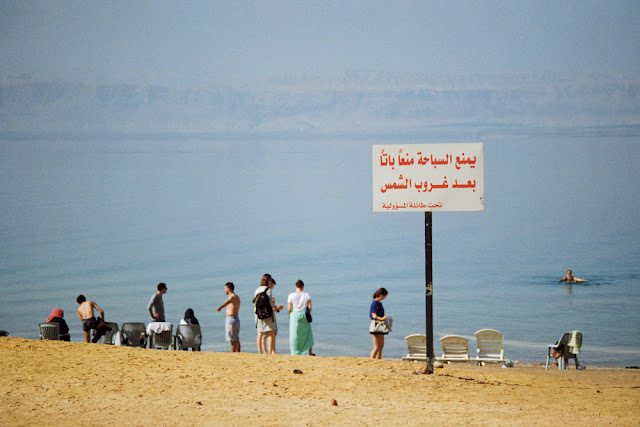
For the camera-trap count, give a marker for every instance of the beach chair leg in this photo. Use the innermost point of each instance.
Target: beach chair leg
(547, 366)
(575, 360)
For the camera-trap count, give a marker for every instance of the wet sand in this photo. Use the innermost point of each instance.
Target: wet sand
(59, 383)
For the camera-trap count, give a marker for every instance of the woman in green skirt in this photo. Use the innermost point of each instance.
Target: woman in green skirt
(300, 335)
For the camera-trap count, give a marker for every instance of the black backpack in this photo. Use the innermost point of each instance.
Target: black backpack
(263, 305)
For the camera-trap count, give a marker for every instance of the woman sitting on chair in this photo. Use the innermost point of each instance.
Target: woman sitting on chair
(57, 317)
(189, 318)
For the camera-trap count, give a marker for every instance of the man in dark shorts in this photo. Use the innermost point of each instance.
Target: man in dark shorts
(89, 321)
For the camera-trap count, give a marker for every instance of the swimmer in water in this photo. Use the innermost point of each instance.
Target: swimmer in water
(570, 279)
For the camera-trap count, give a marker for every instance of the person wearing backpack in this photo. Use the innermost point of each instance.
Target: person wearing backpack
(265, 309)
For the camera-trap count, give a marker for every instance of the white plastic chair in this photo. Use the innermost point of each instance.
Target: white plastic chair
(416, 347)
(134, 334)
(454, 349)
(187, 336)
(489, 346)
(161, 340)
(569, 344)
(49, 331)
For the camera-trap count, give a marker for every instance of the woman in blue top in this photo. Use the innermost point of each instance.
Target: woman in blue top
(376, 312)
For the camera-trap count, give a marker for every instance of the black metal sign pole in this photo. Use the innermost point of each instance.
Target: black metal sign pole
(428, 256)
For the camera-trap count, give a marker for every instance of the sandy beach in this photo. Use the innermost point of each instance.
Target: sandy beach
(59, 383)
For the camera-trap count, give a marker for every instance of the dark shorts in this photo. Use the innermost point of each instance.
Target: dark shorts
(89, 324)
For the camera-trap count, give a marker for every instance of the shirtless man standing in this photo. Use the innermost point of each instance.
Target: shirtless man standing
(232, 322)
(570, 279)
(88, 319)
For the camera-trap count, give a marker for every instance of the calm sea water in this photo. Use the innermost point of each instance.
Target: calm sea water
(112, 217)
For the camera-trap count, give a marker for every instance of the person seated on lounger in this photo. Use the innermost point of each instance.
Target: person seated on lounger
(570, 279)
(56, 316)
(563, 351)
(189, 318)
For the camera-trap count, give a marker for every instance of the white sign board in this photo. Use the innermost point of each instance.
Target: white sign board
(428, 177)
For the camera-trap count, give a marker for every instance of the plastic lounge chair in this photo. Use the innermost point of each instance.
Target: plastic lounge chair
(570, 344)
(107, 338)
(454, 349)
(489, 347)
(162, 339)
(564, 339)
(187, 336)
(49, 331)
(416, 347)
(134, 334)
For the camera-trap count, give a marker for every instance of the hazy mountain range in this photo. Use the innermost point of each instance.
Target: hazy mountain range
(365, 103)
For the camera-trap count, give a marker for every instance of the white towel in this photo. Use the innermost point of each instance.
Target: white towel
(117, 338)
(575, 342)
(158, 327)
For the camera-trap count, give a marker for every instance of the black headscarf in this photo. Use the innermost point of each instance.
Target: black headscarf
(190, 317)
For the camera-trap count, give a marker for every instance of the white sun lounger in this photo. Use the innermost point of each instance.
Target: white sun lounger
(454, 349)
(489, 346)
(416, 347)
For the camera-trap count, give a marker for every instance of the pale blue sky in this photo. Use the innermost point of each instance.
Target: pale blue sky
(193, 43)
